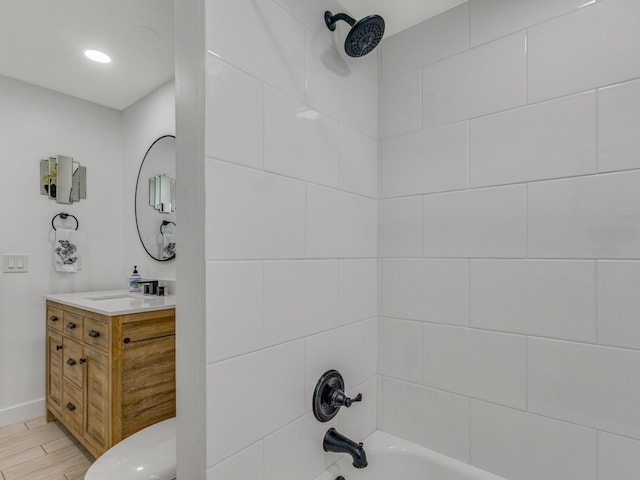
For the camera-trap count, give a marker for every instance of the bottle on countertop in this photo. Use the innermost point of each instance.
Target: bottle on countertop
(134, 281)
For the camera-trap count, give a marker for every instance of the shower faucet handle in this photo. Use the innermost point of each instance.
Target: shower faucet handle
(337, 398)
(329, 396)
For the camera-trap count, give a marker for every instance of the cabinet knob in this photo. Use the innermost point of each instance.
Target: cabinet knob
(53, 318)
(71, 407)
(71, 362)
(58, 347)
(71, 325)
(83, 360)
(94, 334)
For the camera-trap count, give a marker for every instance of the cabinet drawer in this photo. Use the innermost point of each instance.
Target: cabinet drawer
(54, 318)
(72, 405)
(72, 325)
(96, 333)
(72, 361)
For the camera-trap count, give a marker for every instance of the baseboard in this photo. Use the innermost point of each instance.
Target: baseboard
(22, 412)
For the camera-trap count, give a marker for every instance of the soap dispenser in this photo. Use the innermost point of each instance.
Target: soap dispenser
(134, 281)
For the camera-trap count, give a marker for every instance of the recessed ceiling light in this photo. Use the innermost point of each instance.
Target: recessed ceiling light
(97, 56)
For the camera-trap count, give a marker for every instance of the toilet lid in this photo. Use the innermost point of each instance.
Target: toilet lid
(145, 455)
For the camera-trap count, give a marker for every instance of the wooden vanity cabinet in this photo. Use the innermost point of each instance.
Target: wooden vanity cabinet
(109, 376)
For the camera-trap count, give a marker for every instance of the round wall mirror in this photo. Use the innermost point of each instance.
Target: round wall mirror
(156, 199)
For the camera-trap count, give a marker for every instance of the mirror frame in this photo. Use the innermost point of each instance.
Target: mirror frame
(135, 201)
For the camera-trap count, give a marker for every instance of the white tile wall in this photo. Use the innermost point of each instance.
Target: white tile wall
(358, 290)
(486, 365)
(400, 99)
(358, 162)
(547, 298)
(292, 250)
(585, 217)
(235, 309)
(291, 192)
(342, 349)
(361, 418)
(434, 290)
(245, 464)
(234, 115)
(513, 444)
(233, 387)
(253, 214)
(438, 38)
(295, 451)
(434, 160)
(335, 85)
(428, 417)
(370, 109)
(300, 298)
(400, 227)
(619, 303)
(533, 212)
(370, 348)
(493, 19)
(618, 124)
(339, 224)
(488, 222)
(276, 52)
(585, 384)
(400, 349)
(311, 14)
(593, 47)
(619, 457)
(549, 140)
(299, 141)
(451, 87)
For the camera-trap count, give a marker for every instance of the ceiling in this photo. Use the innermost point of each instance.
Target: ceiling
(41, 42)
(399, 14)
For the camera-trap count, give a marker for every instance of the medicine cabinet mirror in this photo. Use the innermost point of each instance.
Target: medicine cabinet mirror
(62, 179)
(155, 200)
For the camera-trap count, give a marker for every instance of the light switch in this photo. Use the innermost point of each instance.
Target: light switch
(15, 263)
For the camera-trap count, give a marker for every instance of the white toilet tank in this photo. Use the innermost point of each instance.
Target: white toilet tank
(145, 455)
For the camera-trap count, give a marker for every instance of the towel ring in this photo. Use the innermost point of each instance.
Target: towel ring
(164, 224)
(64, 216)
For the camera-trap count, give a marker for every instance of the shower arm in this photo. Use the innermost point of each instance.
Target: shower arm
(331, 19)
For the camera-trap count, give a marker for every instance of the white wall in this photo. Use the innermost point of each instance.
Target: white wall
(509, 232)
(142, 123)
(291, 188)
(36, 123)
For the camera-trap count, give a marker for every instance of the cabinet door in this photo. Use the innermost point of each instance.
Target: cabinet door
(97, 413)
(148, 383)
(54, 370)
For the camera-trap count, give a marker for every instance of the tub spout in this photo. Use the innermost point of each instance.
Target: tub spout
(334, 441)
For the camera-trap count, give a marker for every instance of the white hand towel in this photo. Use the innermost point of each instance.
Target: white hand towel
(168, 246)
(66, 251)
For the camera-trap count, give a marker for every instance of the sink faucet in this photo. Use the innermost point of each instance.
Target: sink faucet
(150, 287)
(334, 441)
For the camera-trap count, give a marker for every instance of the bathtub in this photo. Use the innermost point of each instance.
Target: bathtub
(392, 457)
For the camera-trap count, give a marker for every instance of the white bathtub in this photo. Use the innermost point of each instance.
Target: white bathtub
(391, 457)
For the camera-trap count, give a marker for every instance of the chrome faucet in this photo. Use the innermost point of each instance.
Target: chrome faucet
(335, 442)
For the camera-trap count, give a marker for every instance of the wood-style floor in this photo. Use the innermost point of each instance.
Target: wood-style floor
(37, 450)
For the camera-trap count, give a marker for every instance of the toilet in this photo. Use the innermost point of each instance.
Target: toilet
(145, 455)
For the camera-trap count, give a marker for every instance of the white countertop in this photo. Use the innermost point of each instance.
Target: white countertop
(114, 302)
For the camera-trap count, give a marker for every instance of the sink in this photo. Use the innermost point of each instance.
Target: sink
(108, 297)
